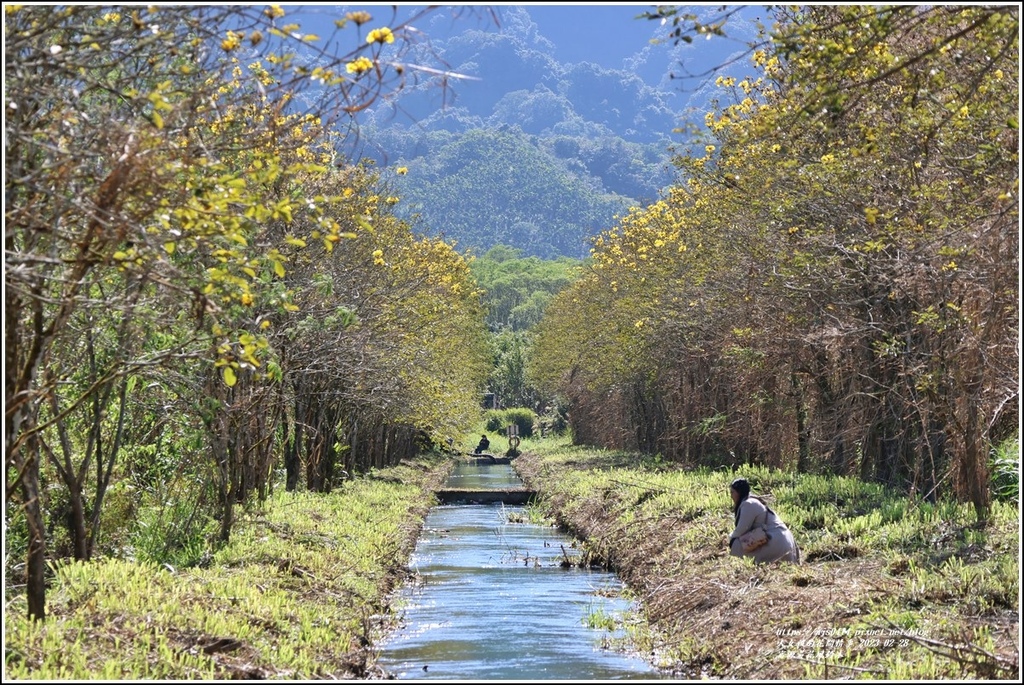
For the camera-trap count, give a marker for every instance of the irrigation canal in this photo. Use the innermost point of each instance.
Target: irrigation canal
(492, 599)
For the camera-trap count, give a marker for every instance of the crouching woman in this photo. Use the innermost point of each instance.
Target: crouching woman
(752, 513)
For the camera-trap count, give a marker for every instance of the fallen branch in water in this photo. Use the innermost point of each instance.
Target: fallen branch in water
(567, 562)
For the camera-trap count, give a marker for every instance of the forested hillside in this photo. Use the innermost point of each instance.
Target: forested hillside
(533, 153)
(487, 187)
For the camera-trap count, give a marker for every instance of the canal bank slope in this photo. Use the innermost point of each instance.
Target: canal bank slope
(888, 588)
(301, 592)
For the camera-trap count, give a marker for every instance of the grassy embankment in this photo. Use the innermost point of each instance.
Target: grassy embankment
(300, 593)
(888, 588)
(303, 588)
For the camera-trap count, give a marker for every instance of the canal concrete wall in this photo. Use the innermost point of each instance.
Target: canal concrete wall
(503, 496)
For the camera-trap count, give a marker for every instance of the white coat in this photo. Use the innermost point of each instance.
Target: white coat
(781, 547)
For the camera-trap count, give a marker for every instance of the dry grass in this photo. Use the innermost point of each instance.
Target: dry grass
(712, 615)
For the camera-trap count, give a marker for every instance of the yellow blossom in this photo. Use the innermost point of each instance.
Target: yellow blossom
(359, 18)
(402, 170)
(232, 41)
(359, 66)
(381, 35)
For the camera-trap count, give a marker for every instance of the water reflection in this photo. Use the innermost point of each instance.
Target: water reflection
(493, 602)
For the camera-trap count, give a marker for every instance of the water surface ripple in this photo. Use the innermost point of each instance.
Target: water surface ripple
(492, 601)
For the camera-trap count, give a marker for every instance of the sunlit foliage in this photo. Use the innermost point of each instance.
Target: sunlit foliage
(832, 284)
(174, 199)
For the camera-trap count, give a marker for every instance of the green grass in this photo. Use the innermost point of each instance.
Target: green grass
(871, 556)
(599, 618)
(299, 593)
(303, 589)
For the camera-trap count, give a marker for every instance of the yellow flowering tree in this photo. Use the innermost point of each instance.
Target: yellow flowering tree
(903, 161)
(386, 350)
(845, 300)
(156, 165)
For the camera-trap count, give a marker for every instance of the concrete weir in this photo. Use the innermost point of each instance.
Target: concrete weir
(504, 496)
(472, 493)
(483, 459)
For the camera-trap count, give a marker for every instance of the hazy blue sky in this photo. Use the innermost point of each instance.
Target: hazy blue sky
(604, 34)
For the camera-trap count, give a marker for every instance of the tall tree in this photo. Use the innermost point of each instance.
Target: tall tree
(145, 150)
(835, 272)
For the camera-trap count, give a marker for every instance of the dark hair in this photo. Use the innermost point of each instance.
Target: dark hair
(741, 486)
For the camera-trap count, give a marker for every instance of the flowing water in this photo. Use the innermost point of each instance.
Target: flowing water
(492, 601)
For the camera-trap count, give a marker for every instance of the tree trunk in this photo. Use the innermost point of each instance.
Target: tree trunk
(79, 534)
(974, 463)
(104, 471)
(75, 521)
(803, 433)
(227, 491)
(293, 443)
(36, 562)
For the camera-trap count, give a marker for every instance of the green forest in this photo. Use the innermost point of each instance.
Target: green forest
(237, 357)
(528, 151)
(488, 187)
